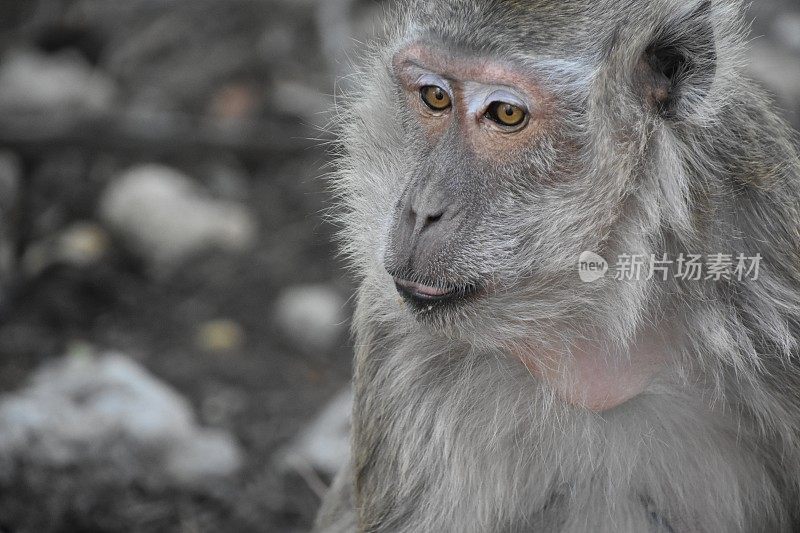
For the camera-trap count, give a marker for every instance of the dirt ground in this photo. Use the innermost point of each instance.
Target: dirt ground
(196, 60)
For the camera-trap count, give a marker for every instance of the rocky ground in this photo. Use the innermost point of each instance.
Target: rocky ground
(172, 313)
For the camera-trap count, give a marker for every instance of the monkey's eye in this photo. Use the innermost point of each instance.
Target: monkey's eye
(435, 97)
(507, 115)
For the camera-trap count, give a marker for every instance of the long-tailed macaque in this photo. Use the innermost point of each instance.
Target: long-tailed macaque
(576, 225)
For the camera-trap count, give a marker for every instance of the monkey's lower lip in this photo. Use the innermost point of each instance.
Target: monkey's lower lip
(418, 291)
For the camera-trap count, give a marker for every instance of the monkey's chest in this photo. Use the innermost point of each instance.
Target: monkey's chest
(479, 453)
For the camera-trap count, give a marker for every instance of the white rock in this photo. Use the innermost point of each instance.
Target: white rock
(325, 444)
(311, 315)
(85, 408)
(32, 80)
(209, 453)
(166, 218)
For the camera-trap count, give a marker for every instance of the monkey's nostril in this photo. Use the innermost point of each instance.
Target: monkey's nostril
(432, 219)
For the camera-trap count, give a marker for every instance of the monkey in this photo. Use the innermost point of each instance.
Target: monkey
(486, 147)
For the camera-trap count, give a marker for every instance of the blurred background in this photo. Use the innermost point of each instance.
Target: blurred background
(174, 348)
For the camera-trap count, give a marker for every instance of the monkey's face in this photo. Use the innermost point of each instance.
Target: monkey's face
(481, 165)
(491, 199)
(466, 127)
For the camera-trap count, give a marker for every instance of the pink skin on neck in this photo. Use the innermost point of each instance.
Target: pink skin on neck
(592, 376)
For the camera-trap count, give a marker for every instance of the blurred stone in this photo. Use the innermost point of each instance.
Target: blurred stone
(325, 445)
(226, 177)
(31, 80)
(165, 218)
(343, 24)
(787, 30)
(220, 404)
(311, 315)
(10, 180)
(81, 244)
(301, 100)
(209, 453)
(10, 177)
(334, 19)
(235, 102)
(778, 70)
(85, 410)
(220, 336)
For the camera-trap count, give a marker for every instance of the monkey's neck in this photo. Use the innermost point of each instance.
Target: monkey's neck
(596, 375)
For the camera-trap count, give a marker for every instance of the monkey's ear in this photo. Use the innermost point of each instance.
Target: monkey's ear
(677, 68)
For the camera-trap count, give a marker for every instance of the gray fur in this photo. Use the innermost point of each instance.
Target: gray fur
(453, 434)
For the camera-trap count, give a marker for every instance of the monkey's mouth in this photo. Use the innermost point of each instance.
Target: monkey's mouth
(426, 295)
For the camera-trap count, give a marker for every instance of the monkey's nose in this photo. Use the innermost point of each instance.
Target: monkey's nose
(424, 226)
(421, 219)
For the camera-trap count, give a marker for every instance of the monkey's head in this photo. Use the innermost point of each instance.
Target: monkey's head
(492, 143)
